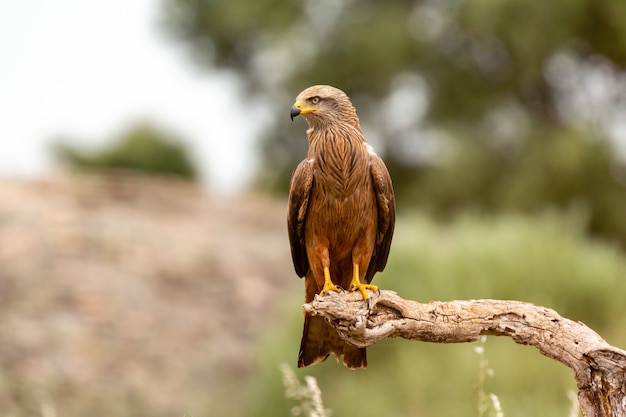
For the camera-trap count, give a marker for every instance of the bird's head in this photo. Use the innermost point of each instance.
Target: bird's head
(323, 104)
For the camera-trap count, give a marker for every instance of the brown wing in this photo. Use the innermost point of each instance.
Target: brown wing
(386, 204)
(299, 193)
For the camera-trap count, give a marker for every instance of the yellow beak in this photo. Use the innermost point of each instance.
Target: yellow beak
(298, 109)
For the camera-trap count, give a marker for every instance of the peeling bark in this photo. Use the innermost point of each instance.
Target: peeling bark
(599, 368)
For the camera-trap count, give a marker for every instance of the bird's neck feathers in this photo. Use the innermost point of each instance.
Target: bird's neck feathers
(340, 158)
(338, 150)
(340, 126)
(340, 136)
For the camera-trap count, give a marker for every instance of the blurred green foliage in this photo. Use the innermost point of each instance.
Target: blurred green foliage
(497, 105)
(142, 148)
(478, 107)
(571, 170)
(472, 257)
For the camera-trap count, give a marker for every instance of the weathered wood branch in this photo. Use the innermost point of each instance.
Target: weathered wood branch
(599, 368)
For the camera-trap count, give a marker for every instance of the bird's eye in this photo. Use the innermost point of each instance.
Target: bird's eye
(315, 100)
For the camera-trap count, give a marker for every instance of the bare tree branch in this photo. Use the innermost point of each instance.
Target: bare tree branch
(599, 368)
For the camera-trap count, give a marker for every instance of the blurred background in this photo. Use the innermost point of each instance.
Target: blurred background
(146, 153)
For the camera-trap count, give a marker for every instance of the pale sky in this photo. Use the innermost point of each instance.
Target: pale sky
(89, 69)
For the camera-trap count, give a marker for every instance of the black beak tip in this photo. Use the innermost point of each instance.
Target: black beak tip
(294, 112)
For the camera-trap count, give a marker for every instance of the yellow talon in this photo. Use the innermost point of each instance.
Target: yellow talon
(356, 283)
(328, 284)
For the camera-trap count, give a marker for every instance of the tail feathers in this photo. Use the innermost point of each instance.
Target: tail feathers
(319, 340)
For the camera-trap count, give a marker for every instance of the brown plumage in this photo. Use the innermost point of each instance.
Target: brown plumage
(341, 215)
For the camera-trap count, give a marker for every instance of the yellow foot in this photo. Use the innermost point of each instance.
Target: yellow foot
(356, 283)
(328, 284)
(330, 287)
(363, 288)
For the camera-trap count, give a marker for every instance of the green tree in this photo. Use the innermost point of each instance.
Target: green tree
(461, 91)
(142, 148)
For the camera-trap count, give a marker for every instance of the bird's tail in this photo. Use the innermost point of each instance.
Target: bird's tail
(319, 340)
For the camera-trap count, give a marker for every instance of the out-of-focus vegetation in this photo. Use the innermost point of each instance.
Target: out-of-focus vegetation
(505, 107)
(568, 171)
(544, 260)
(172, 302)
(142, 148)
(501, 117)
(496, 105)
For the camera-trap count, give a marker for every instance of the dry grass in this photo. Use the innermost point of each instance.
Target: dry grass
(307, 395)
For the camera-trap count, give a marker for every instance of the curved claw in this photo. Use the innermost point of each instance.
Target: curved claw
(331, 287)
(363, 288)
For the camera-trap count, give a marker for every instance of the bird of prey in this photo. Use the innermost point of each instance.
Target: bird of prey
(341, 215)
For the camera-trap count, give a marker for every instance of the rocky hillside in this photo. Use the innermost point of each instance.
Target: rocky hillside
(124, 295)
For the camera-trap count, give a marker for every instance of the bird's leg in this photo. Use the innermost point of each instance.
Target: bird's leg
(356, 283)
(328, 284)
